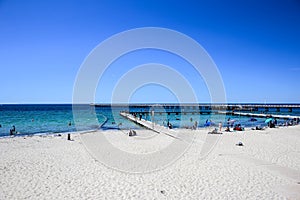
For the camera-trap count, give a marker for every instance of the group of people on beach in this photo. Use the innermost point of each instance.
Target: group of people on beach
(236, 127)
(292, 122)
(231, 124)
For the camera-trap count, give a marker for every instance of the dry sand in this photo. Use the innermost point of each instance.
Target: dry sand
(50, 167)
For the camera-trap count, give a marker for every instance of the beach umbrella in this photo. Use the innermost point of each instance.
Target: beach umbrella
(268, 120)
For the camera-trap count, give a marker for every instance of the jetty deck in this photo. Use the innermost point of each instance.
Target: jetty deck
(171, 112)
(151, 126)
(144, 123)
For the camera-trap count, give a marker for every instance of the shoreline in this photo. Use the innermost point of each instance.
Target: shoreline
(137, 129)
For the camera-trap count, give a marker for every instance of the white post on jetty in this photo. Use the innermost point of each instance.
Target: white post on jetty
(152, 118)
(240, 110)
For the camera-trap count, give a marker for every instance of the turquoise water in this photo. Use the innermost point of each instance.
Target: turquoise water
(45, 118)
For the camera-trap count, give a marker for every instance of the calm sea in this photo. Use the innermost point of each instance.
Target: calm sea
(58, 118)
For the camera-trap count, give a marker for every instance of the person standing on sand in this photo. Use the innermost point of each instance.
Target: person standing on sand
(12, 131)
(195, 125)
(220, 126)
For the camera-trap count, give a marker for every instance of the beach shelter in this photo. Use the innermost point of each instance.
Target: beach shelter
(207, 124)
(268, 120)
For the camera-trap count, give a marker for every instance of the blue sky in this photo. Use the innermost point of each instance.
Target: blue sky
(255, 45)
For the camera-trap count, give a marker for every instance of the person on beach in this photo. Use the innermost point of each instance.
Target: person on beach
(286, 123)
(169, 125)
(12, 131)
(220, 126)
(132, 133)
(228, 121)
(238, 127)
(271, 124)
(195, 125)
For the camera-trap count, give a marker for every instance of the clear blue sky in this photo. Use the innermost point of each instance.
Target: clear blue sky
(255, 45)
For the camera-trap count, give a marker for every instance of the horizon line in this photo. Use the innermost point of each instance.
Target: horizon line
(153, 103)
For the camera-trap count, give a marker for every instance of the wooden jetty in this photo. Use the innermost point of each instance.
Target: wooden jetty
(150, 125)
(144, 123)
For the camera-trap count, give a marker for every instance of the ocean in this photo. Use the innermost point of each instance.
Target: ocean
(31, 119)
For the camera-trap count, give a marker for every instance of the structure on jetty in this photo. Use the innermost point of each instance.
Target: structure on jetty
(205, 108)
(287, 117)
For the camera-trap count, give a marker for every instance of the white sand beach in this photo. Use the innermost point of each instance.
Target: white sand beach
(51, 167)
